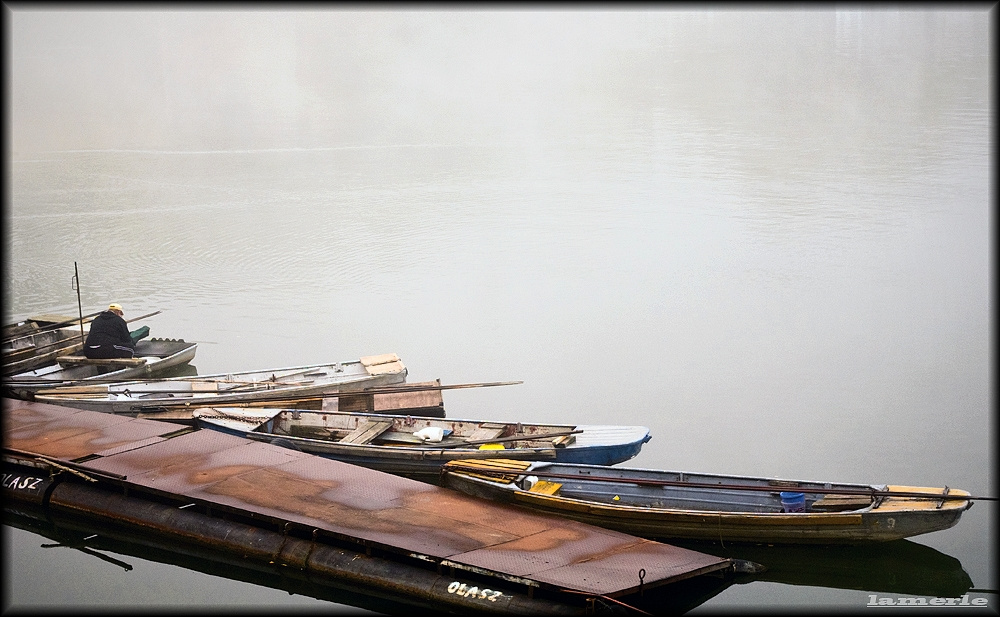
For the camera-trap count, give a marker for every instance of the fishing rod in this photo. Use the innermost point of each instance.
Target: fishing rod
(79, 304)
(740, 487)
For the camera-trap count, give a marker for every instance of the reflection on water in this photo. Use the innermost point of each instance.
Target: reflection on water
(82, 538)
(900, 567)
(183, 370)
(96, 541)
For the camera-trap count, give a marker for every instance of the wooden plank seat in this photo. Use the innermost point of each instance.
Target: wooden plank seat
(544, 487)
(366, 432)
(840, 503)
(82, 360)
(488, 430)
(309, 431)
(563, 440)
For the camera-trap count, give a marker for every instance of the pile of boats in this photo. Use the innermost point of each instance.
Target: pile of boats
(562, 469)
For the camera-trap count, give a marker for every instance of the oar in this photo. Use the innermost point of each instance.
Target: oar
(266, 399)
(478, 442)
(65, 343)
(416, 388)
(71, 342)
(277, 396)
(88, 386)
(261, 399)
(55, 326)
(740, 487)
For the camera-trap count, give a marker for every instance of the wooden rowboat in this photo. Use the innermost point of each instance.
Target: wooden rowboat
(37, 341)
(394, 443)
(152, 358)
(699, 506)
(135, 397)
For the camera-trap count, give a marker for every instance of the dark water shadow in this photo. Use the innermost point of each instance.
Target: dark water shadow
(899, 567)
(98, 541)
(86, 541)
(184, 370)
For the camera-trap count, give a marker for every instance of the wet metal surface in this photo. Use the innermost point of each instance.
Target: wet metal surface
(70, 435)
(352, 502)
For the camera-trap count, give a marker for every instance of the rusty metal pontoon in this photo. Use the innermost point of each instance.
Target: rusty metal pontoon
(321, 503)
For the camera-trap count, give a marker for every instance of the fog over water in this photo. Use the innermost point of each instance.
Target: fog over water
(766, 235)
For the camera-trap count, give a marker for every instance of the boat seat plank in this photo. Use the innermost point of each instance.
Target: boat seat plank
(563, 441)
(309, 432)
(366, 432)
(382, 369)
(386, 358)
(83, 360)
(486, 431)
(545, 487)
(837, 503)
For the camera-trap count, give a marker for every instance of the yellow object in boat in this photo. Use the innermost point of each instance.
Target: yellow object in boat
(491, 446)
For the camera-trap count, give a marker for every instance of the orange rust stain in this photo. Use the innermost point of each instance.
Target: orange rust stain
(25, 438)
(469, 510)
(287, 493)
(548, 540)
(64, 443)
(217, 474)
(173, 464)
(460, 535)
(26, 415)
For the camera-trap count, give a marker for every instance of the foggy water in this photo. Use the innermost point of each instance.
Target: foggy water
(764, 235)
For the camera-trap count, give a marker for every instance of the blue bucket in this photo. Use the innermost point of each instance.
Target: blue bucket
(793, 502)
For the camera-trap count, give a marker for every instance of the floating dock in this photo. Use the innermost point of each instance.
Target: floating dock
(275, 507)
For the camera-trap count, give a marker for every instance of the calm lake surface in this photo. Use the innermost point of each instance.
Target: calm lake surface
(766, 236)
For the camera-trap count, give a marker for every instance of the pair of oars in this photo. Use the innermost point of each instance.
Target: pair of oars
(538, 436)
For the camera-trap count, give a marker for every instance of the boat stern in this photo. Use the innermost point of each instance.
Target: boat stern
(904, 516)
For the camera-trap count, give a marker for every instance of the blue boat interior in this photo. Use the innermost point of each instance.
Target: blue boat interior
(611, 486)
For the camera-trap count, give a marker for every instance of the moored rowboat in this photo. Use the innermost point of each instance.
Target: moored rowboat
(134, 397)
(674, 505)
(417, 447)
(36, 342)
(152, 357)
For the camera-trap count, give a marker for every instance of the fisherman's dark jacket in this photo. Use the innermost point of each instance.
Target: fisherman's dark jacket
(109, 329)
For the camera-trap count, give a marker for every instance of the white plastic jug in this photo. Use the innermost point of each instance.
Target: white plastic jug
(430, 433)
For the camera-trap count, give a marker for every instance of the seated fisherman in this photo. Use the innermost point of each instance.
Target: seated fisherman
(109, 336)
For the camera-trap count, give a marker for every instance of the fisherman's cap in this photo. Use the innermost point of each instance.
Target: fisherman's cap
(115, 307)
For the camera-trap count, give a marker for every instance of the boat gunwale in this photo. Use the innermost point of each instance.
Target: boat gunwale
(423, 420)
(553, 502)
(101, 393)
(175, 357)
